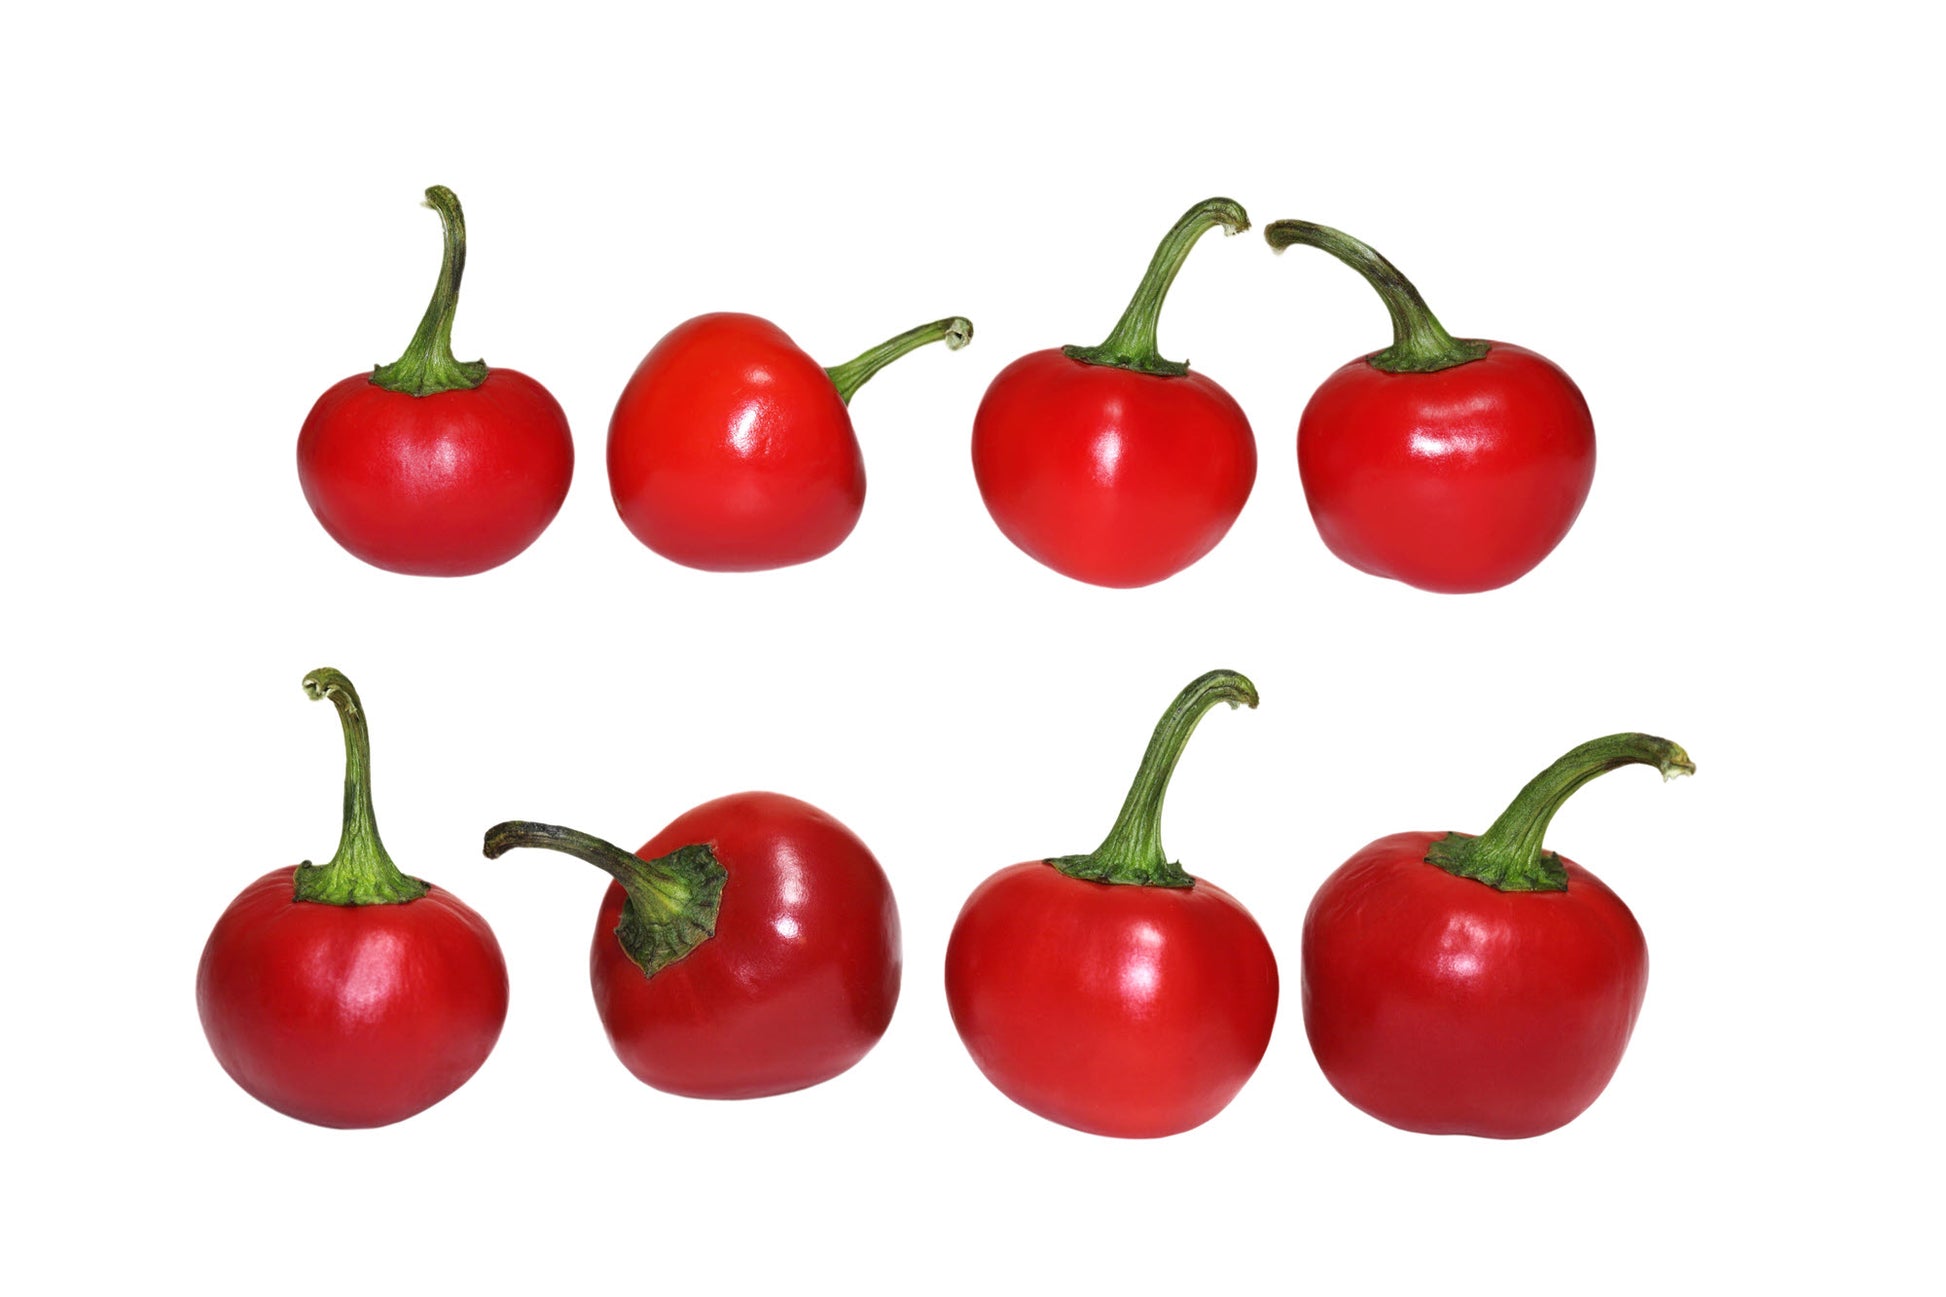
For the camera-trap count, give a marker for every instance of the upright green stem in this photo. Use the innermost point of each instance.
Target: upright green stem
(360, 873)
(1132, 344)
(672, 900)
(1420, 344)
(1510, 856)
(955, 331)
(428, 366)
(1132, 851)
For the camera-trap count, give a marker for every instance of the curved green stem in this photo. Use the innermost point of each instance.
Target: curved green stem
(428, 366)
(360, 873)
(1132, 344)
(955, 331)
(672, 900)
(1132, 852)
(1420, 344)
(1510, 856)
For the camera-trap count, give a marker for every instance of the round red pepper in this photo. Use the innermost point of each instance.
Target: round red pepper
(348, 994)
(1110, 464)
(1479, 985)
(731, 450)
(750, 948)
(433, 466)
(1453, 465)
(1112, 992)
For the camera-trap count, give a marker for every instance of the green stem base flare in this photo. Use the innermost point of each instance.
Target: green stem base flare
(1420, 344)
(1132, 344)
(428, 367)
(955, 331)
(1509, 856)
(360, 873)
(673, 900)
(1132, 852)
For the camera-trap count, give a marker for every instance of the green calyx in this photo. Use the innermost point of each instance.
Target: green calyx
(360, 873)
(1420, 344)
(1509, 856)
(428, 367)
(673, 900)
(1132, 852)
(1132, 344)
(955, 331)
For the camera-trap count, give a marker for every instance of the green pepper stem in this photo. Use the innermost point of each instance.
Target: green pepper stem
(360, 872)
(955, 331)
(672, 900)
(428, 367)
(1132, 343)
(1420, 344)
(1132, 852)
(1509, 856)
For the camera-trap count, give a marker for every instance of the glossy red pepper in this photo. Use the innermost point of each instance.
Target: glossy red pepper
(731, 450)
(1453, 465)
(433, 466)
(347, 994)
(1110, 464)
(1460, 985)
(750, 948)
(1113, 992)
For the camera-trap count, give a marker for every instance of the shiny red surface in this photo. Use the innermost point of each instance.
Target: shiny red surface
(731, 451)
(1441, 1005)
(1109, 476)
(350, 1015)
(442, 485)
(1456, 481)
(800, 979)
(1114, 1009)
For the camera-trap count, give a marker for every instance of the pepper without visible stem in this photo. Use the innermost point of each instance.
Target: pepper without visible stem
(1509, 856)
(428, 366)
(673, 900)
(1132, 343)
(1132, 852)
(955, 331)
(1420, 344)
(360, 872)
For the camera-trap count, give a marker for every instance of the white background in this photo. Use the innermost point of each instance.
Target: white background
(1711, 216)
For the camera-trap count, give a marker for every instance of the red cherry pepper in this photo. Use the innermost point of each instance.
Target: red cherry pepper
(1459, 985)
(347, 994)
(430, 465)
(1112, 992)
(732, 451)
(750, 948)
(1453, 465)
(1110, 464)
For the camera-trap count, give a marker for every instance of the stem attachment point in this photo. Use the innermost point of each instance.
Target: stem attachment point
(1132, 852)
(1509, 856)
(673, 900)
(1132, 343)
(428, 367)
(360, 872)
(1420, 344)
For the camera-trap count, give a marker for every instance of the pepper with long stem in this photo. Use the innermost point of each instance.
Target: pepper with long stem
(431, 465)
(1111, 464)
(1136, 1010)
